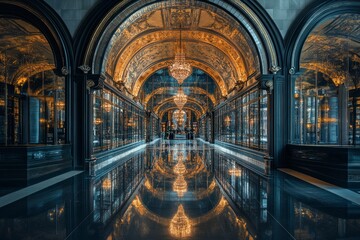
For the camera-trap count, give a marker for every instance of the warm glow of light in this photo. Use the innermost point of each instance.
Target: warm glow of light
(180, 225)
(180, 69)
(60, 104)
(138, 205)
(227, 121)
(107, 107)
(330, 120)
(179, 168)
(235, 172)
(131, 122)
(180, 186)
(97, 121)
(180, 99)
(2, 102)
(106, 184)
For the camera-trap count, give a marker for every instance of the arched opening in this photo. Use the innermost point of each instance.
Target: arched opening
(324, 94)
(326, 87)
(232, 54)
(35, 95)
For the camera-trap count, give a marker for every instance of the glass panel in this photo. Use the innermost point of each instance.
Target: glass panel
(32, 97)
(327, 81)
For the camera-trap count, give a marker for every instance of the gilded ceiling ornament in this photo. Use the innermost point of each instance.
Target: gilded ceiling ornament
(242, 63)
(180, 17)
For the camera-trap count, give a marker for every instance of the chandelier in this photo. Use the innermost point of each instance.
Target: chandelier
(180, 99)
(179, 68)
(180, 225)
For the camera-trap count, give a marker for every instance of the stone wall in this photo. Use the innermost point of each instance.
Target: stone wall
(72, 11)
(283, 12)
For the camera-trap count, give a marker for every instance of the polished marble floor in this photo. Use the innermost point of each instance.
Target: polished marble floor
(181, 190)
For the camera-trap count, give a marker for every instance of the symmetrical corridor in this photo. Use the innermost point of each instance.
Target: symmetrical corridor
(180, 119)
(181, 189)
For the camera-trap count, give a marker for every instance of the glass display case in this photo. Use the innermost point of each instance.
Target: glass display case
(116, 121)
(33, 113)
(243, 121)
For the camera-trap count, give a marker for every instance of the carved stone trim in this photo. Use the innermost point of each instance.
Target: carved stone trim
(85, 68)
(274, 69)
(64, 71)
(292, 70)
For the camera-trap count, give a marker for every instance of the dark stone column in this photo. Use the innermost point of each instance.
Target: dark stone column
(276, 122)
(89, 83)
(267, 83)
(279, 120)
(148, 124)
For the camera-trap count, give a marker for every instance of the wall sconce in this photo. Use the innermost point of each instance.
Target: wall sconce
(227, 121)
(97, 121)
(107, 107)
(106, 184)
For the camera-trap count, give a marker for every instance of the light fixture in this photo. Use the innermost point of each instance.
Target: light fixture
(97, 121)
(106, 184)
(235, 172)
(180, 225)
(179, 68)
(180, 99)
(107, 106)
(60, 105)
(227, 121)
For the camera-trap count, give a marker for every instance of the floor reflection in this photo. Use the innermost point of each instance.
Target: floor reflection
(178, 198)
(181, 190)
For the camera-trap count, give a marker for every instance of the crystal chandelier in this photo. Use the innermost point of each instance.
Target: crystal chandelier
(180, 69)
(180, 99)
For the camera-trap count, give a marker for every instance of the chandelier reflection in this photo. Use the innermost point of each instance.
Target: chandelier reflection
(180, 69)
(180, 225)
(180, 186)
(179, 168)
(179, 117)
(180, 99)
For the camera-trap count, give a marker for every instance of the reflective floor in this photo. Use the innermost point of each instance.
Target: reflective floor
(181, 189)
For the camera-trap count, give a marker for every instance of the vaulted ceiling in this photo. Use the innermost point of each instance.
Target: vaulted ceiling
(219, 49)
(24, 51)
(333, 48)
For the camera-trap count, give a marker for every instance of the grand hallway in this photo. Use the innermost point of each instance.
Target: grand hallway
(182, 189)
(180, 119)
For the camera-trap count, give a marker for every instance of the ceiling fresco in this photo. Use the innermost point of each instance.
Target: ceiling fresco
(24, 52)
(333, 48)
